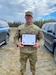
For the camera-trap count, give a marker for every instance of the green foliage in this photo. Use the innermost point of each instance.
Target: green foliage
(14, 24)
(41, 22)
(38, 23)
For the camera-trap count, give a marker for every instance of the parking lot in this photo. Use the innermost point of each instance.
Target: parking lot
(10, 54)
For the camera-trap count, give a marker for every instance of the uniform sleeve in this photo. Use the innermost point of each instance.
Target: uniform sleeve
(16, 37)
(39, 35)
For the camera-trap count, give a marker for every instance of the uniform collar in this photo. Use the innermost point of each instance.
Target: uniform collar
(28, 25)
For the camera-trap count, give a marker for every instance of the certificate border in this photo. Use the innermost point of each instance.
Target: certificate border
(29, 34)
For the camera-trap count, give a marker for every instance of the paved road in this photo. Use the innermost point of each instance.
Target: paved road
(10, 65)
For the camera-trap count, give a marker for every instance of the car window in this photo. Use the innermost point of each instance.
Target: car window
(52, 27)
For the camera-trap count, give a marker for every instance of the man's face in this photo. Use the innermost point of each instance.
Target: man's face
(28, 19)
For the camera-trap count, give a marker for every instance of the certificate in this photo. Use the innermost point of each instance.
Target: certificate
(28, 39)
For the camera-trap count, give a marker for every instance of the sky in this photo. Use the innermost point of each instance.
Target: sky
(14, 10)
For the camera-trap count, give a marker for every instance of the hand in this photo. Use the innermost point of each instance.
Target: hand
(20, 45)
(36, 45)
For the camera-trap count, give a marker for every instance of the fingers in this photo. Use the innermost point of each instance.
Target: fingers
(20, 45)
(36, 45)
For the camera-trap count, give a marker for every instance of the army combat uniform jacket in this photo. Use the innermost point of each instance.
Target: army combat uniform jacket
(28, 29)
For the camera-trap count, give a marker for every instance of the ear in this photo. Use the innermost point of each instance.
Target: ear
(25, 17)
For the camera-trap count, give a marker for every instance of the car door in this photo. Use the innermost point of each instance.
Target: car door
(51, 36)
(2, 33)
(45, 28)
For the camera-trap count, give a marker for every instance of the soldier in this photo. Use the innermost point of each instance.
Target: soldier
(25, 50)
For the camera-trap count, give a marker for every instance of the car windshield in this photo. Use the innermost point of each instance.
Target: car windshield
(52, 27)
(45, 26)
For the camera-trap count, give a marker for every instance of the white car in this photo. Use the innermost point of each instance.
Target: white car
(4, 32)
(49, 31)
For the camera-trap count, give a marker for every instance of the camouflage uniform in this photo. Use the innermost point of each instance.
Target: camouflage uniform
(27, 51)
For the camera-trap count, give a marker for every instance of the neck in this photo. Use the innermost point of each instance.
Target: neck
(28, 23)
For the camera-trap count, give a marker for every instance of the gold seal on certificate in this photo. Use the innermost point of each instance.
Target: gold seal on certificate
(28, 39)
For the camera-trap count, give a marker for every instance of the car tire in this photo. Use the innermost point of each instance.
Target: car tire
(6, 39)
(55, 54)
